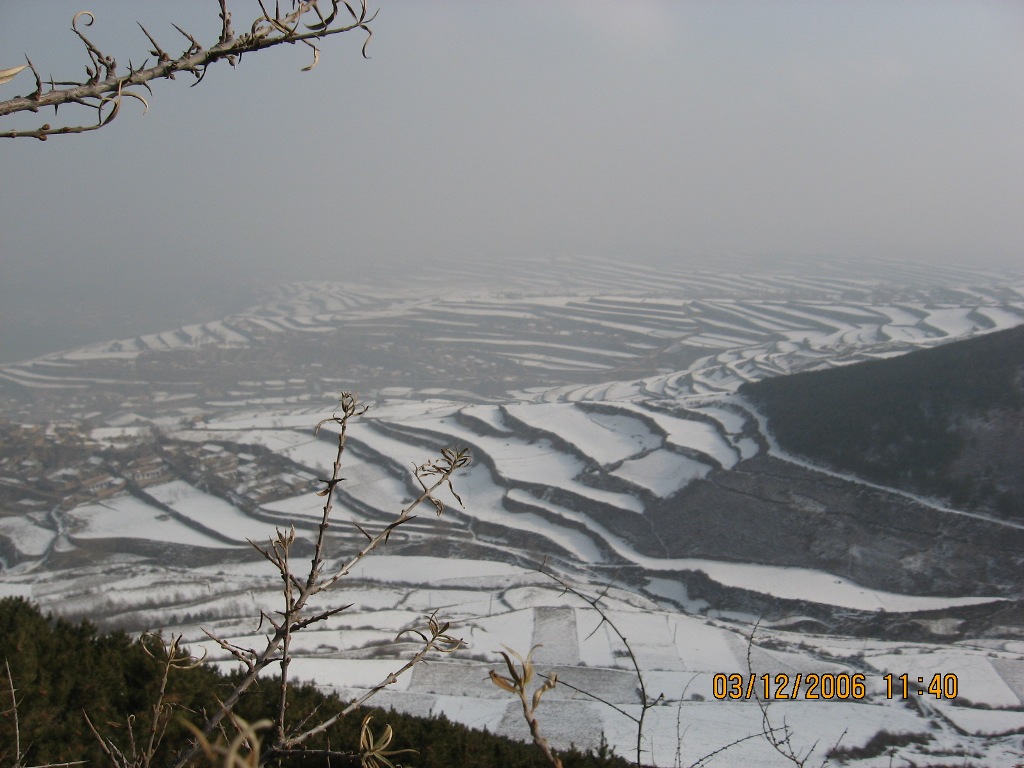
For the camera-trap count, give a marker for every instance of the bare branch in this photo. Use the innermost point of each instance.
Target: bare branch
(518, 682)
(18, 756)
(595, 697)
(435, 638)
(780, 736)
(296, 593)
(103, 83)
(646, 702)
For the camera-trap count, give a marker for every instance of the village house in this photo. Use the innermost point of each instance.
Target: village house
(148, 470)
(103, 485)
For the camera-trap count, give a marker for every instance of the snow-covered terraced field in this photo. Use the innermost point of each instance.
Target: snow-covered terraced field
(521, 484)
(129, 517)
(494, 605)
(709, 333)
(601, 410)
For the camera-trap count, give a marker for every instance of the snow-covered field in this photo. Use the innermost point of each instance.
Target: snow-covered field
(209, 512)
(129, 517)
(623, 396)
(494, 605)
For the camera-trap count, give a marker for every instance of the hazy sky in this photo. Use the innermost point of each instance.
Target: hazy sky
(481, 130)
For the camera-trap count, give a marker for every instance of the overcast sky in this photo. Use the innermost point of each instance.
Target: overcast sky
(656, 131)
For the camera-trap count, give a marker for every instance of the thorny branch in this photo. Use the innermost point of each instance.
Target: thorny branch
(434, 637)
(14, 710)
(780, 736)
(106, 85)
(298, 591)
(19, 756)
(646, 703)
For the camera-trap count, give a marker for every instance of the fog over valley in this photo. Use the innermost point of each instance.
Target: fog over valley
(665, 134)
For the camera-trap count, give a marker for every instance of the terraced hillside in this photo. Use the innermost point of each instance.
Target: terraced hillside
(609, 443)
(577, 331)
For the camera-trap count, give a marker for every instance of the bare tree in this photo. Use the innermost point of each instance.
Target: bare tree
(106, 85)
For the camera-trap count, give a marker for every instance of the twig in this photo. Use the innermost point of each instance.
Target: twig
(171, 656)
(14, 709)
(595, 602)
(780, 737)
(104, 83)
(439, 640)
(297, 592)
(518, 682)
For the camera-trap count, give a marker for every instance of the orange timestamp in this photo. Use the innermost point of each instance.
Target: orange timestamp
(783, 686)
(827, 686)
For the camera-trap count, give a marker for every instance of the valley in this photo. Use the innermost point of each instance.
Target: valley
(611, 447)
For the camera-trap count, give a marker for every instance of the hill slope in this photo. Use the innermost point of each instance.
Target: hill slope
(946, 421)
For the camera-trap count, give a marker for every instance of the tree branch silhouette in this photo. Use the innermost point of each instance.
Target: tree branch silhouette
(106, 85)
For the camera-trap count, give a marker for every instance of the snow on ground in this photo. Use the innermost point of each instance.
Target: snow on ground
(535, 462)
(983, 722)
(210, 511)
(976, 681)
(1002, 318)
(952, 321)
(308, 507)
(491, 415)
(662, 472)
(370, 484)
(688, 433)
(501, 605)
(129, 517)
(485, 500)
(809, 585)
(318, 455)
(556, 363)
(788, 583)
(906, 315)
(704, 647)
(277, 440)
(680, 656)
(114, 435)
(125, 349)
(627, 426)
(676, 592)
(374, 444)
(290, 418)
(228, 335)
(402, 410)
(496, 604)
(434, 570)
(493, 632)
(26, 534)
(532, 345)
(674, 733)
(731, 421)
(604, 437)
(747, 447)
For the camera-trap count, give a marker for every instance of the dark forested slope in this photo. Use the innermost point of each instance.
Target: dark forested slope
(946, 421)
(62, 672)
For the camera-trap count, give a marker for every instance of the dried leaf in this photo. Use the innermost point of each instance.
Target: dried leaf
(316, 59)
(502, 682)
(6, 75)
